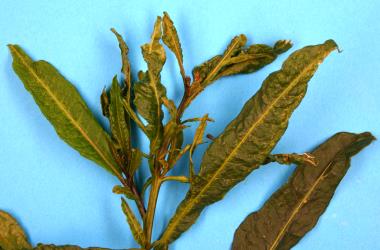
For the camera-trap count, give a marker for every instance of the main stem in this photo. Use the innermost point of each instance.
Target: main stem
(148, 222)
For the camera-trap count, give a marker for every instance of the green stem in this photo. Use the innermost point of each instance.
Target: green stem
(149, 218)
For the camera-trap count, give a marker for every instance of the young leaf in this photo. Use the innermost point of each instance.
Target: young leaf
(105, 102)
(133, 223)
(125, 191)
(294, 209)
(62, 105)
(249, 138)
(135, 161)
(12, 237)
(171, 39)
(118, 118)
(126, 67)
(149, 91)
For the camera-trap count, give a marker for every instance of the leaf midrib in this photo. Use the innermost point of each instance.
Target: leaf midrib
(286, 90)
(61, 106)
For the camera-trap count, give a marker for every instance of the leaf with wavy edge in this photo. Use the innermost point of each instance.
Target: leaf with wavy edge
(133, 223)
(63, 106)
(118, 118)
(149, 91)
(249, 138)
(12, 236)
(294, 209)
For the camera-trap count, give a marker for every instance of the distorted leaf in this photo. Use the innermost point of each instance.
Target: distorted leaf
(126, 67)
(149, 91)
(171, 39)
(105, 102)
(12, 236)
(135, 161)
(295, 208)
(62, 105)
(249, 138)
(120, 126)
(288, 159)
(136, 229)
(124, 191)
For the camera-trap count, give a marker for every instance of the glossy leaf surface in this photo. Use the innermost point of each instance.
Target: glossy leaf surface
(295, 208)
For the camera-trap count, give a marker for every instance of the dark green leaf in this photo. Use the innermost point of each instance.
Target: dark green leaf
(249, 138)
(118, 118)
(149, 91)
(62, 105)
(294, 209)
(12, 237)
(133, 223)
(288, 159)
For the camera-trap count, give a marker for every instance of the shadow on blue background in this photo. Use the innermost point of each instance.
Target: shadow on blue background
(60, 198)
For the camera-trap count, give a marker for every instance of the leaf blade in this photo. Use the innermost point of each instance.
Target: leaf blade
(12, 236)
(248, 139)
(75, 123)
(306, 195)
(136, 229)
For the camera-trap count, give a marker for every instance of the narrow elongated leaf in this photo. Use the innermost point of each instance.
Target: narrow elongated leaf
(124, 191)
(133, 223)
(118, 120)
(171, 39)
(149, 91)
(126, 67)
(135, 161)
(249, 138)
(294, 209)
(65, 247)
(62, 105)
(12, 237)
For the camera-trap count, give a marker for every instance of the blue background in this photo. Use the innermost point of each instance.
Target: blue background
(60, 197)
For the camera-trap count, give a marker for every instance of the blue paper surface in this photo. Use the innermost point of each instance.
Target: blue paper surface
(62, 198)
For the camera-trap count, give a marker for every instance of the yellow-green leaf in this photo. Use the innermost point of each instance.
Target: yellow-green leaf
(295, 208)
(249, 138)
(62, 105)
(124, 191)
(136, 229)
(12, 237)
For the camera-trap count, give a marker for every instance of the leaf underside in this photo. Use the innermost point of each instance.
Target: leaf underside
(295, 208)
(249, 138)
(63, 106)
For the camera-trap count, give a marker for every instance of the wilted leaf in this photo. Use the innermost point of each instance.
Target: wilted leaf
(62, 105)
(12, 237)
(249, 138)
(133, 223)
(294, 209)
(149, 91)
(118, 118)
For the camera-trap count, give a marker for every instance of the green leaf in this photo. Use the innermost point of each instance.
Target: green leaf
(118, 118)
(249, 138)
(288, 159)
(124, 191)
(12, 237)
(136, 160)
(126, 67)
(65, 247)
(62, 105)
(171, 39)
(149, 91)
(295, 208)
(105, 102)
(198, 139)
(133, 223)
